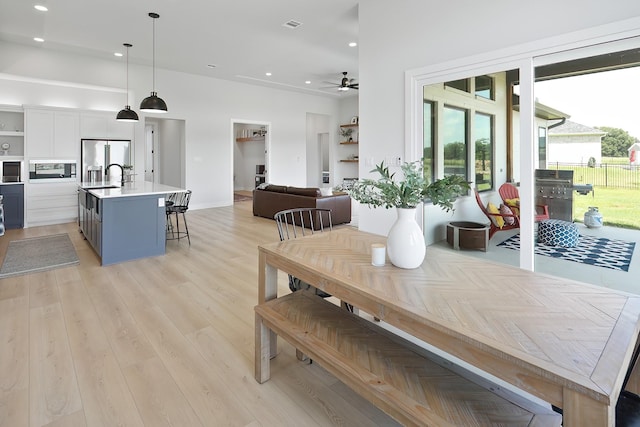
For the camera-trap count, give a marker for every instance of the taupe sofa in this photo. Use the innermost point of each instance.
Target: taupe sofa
(275, 198)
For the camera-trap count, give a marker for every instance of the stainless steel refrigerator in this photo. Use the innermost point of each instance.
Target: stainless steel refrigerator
(97, 154)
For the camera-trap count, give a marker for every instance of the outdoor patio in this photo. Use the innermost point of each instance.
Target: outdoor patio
(614, 279)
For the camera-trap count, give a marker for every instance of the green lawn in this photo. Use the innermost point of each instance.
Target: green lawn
(619, 207)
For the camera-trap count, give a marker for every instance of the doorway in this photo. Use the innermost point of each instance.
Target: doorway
(250, 156)
(318, 151)
(323, 157)
(164, 158)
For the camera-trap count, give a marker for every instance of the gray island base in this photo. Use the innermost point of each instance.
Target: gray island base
(124, 223)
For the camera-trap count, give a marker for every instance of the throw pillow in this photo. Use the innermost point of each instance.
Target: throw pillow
(326, 191)
(497, 220)
(504, 210)
(514, 205)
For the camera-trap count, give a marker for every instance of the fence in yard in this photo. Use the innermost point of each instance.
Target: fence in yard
(602, 174)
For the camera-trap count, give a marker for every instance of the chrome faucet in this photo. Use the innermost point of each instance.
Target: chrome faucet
(106, 172)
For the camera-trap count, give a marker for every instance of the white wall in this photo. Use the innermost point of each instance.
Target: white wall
(419, 34)
(574, 148)
(170, 153)
(37, 76)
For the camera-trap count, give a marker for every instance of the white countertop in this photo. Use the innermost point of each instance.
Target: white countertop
(137, 188)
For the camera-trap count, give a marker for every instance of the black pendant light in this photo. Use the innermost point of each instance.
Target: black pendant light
(153, 104)
(127, 114)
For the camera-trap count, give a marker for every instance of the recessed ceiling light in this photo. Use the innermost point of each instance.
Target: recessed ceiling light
(41, 8)
(308, 82)
(353, 44)
(117, 54)
(267, 74)
(38, 39)
(211, 65)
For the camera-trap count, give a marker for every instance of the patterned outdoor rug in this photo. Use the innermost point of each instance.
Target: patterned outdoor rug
(38, 254)
(597, 251)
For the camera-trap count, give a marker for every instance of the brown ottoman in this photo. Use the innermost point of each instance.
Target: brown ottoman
(468, 235)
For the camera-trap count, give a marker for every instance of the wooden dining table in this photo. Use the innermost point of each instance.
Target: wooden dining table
(565, 342)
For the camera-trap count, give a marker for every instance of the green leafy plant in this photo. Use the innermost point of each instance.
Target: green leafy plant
(346, 132)
(408, 193)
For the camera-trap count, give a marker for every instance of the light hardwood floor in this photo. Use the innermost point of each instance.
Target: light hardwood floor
(164, 341)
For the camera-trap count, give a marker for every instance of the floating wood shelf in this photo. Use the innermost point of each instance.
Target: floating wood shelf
(11, 133)
(251, 138)
(348, 142)
(349, 126)
(349, 161)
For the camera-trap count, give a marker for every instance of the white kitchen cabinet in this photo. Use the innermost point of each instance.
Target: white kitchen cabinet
(99, 126)
(52, 134)
(93, 126)
(120, 130)
(39, 133)
(51, 203)
(66, 135)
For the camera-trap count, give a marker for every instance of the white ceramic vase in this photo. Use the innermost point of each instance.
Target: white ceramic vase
(405, 242)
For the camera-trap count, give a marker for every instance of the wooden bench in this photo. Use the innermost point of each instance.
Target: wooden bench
(394, 374)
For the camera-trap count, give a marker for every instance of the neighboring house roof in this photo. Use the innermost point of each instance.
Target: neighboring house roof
(573, 128)
(634, 147)
(542, 111)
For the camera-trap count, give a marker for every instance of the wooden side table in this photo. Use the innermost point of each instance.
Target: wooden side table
(468, 235)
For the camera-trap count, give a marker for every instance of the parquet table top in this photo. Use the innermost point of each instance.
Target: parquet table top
(561, 340)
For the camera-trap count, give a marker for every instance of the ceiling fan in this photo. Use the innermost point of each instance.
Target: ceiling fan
(345, 84)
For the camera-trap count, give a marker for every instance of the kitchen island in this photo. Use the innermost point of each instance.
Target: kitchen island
(124, 223)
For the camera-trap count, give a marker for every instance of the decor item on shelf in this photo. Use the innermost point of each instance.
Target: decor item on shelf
(405, 241)
(127, 114)
(593, 218)
(346, 133)
(152, 103)
(354, 120)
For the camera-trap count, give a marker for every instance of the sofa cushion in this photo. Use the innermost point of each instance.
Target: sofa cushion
(276, 188)
(309, 192)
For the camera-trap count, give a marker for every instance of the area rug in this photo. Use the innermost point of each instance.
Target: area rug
(38, 254)
(597, 251)
(237, 197)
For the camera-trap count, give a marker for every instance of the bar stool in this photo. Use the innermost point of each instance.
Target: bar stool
(177, 203)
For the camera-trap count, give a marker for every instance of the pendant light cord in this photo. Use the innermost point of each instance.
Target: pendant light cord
(154, 53)
(128, 45)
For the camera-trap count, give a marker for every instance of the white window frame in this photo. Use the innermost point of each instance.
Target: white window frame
(617, 36)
